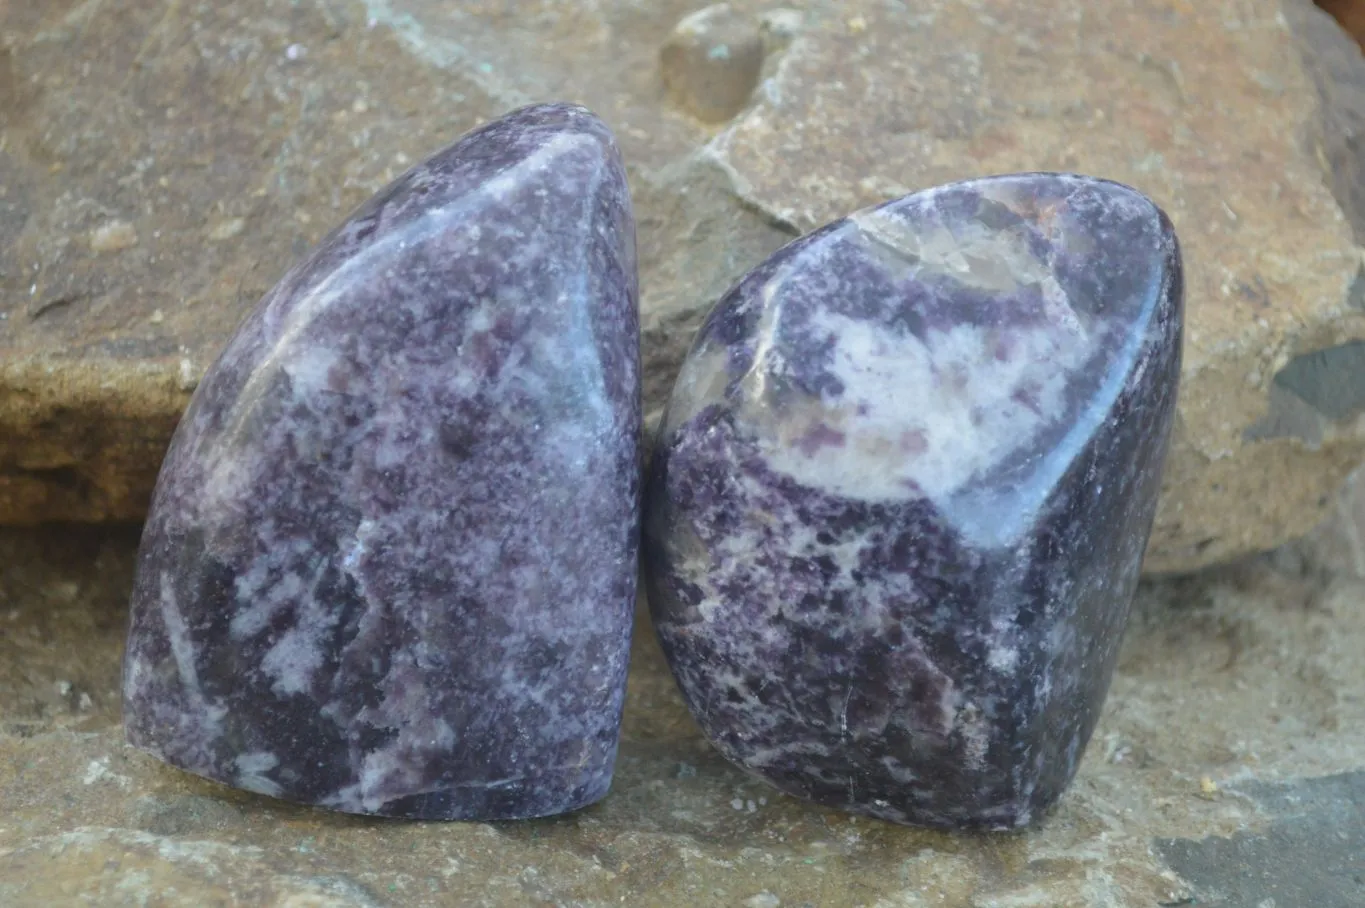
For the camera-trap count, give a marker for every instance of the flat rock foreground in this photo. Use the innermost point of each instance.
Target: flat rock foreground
(163, 163)
(1228, 769)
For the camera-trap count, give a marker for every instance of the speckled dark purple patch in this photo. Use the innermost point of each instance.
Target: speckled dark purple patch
(390, 565)
(900, 500)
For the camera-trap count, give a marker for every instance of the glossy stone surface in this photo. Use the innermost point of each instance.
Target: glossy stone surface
(390, 564)
(900, 499)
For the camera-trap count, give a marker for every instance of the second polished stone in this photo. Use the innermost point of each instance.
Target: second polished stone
(901, 497)
(390, 564)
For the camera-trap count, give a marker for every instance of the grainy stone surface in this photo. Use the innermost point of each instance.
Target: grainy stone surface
(1338, 543)
(1228, 683)
(390, 564)
(900, 500)
(228, 153)
(711, 62)
(1308, 855)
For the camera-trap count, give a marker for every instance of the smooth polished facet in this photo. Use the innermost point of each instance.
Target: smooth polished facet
(900, 499)
(390, 564)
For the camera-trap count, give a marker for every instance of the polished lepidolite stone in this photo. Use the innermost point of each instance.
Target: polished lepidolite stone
(900, 499)
(390, 564)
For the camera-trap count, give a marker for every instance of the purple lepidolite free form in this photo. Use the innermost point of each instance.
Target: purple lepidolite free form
(900, 499)
(390, 563)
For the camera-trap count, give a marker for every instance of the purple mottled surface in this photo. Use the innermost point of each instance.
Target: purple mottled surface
(899, 503)
(390, 564)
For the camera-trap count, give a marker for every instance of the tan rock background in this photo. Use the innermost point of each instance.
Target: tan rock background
(162, 163)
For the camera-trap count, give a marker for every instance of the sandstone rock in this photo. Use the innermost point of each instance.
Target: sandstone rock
(114, 236)
(1338, 543)
(712, 60)
(1240, 121)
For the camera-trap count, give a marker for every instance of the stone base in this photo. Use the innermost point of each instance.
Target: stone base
(1237, 690)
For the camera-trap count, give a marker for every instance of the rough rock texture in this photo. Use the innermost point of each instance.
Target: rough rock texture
(229, 136)
(1228, 683)
(711, 62)
(900, 500)
(1317, 823)
(1338, 543)
(390, 563)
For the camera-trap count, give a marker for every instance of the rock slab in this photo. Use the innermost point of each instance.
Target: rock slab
(904, 487)
(390, 563)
